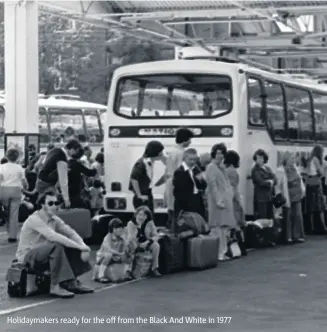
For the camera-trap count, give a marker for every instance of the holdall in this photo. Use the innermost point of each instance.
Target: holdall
(142, 264)
(202, 252)
(114, 272)
(79, 220)
(100, 227)
(172, 254)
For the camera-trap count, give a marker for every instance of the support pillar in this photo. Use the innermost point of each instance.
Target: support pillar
(21, 67)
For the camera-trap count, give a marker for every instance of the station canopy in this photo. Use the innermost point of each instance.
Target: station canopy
(288, 35)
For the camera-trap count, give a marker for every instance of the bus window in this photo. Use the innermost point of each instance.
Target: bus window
(299, 114)
(320, 113)
(2, 124)
(66, 124)
(174, 95)
(255, 102)
(275, 110)
(92, 125)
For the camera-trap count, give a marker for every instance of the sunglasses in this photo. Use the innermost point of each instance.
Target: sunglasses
(52, 203)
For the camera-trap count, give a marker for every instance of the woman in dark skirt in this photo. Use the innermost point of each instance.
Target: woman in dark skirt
(315, 202)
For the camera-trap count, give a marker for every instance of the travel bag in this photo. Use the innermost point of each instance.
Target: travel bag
(114, 272)
(22, 282)
(172, 254)
(142, 264)
(261, 233)
(202, 252)
(77, 219)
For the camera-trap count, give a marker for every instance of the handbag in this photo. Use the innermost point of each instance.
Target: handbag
(279, 200)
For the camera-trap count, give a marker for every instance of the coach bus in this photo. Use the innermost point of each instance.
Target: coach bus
(244, 107)
(63, 116)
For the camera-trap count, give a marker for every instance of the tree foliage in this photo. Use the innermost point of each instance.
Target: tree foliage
(79, 58)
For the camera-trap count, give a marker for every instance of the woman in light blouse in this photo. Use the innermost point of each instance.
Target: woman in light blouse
(12, 181)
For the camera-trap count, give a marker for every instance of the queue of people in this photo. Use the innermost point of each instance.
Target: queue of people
(206, 185)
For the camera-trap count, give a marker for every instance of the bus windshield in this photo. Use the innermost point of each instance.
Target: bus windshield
(92, 125)
(66, 123)
(173, 96)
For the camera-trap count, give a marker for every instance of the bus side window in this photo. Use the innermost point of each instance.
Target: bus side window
(320, 113)
(43, 126)
(255, 102)
(299, 114)
(275, 110)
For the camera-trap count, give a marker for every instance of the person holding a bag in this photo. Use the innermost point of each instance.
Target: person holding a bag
(290, 185)
(314, 194)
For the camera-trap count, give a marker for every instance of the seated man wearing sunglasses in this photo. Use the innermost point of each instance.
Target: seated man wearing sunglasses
(46, 242)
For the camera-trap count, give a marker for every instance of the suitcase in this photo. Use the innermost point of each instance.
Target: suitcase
(172, 254)
(22, 283)
(100, 224)
(142, 264)
(202, 252)
(79, 220)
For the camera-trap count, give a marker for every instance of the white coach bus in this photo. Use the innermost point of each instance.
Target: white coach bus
(243, 107)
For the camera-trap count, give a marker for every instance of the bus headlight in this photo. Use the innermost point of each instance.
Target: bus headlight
(116, 203)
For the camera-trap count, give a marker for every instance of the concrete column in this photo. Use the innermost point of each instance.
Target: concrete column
(21, 66)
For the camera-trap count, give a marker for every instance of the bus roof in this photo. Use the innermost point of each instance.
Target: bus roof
(208, 66)
(64, 103)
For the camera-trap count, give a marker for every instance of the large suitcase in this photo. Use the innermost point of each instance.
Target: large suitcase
(172, 254)
(100, 227)
(202, 252)
(79, 220)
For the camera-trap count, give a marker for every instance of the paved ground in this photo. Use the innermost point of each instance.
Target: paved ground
(273, 290)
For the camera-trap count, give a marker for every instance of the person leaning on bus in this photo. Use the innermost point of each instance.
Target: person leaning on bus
(264, 181)
(142, 175)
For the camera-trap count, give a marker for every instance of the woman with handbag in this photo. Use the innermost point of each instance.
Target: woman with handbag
(314, 194)
(290, 185)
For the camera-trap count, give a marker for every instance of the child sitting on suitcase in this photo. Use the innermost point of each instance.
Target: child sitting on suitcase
(142, 234)
(114, 250)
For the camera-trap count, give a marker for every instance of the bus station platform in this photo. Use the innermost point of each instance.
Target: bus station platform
(280, 289)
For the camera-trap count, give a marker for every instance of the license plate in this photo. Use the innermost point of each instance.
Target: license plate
(159, 203)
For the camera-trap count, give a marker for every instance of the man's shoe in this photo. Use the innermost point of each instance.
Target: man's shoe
(61, 292)
(11, 240)
(78, 288)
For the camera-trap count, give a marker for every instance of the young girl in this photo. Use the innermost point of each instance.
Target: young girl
(143, 235)
(114, 250)
(96, 192)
